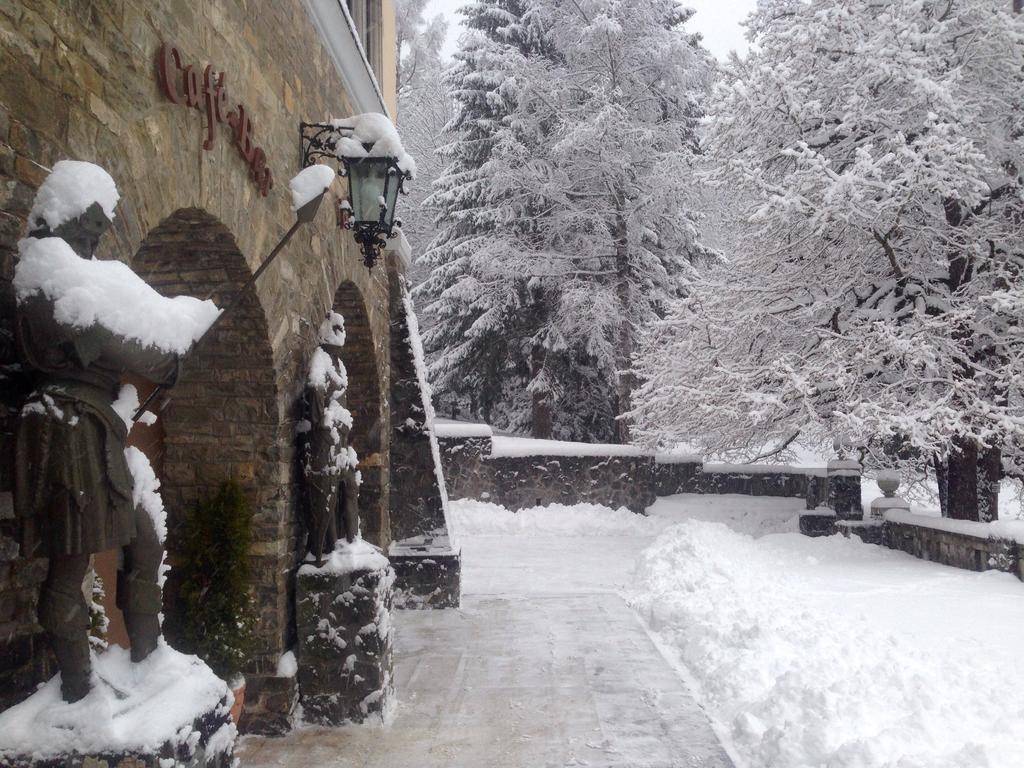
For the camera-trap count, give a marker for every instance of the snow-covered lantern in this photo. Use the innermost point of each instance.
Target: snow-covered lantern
(369, 152)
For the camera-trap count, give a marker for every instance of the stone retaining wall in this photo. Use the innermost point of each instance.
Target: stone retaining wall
(960, 550)
(631, 481)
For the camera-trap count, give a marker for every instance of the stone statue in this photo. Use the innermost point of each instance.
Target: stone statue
(73, 488)
(330, 462)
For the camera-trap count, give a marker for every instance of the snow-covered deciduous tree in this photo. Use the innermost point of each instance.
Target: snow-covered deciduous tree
(418, 42)
(882, 290)
(425, 107)
(566, 224)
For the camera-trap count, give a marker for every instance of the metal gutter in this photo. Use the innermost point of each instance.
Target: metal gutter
(338, 32)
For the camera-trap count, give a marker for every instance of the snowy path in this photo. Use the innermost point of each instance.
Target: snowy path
(545, 665)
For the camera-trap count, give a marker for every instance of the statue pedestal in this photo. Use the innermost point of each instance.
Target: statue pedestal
(429, 573)
(169, 710)
(343, 617)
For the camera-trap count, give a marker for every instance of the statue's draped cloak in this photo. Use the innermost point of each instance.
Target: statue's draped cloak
(72, 483)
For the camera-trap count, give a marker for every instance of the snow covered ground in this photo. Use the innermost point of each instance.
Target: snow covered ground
(830, 652)
(805, 652)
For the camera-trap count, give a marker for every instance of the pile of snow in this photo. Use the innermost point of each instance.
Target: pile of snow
(309, 183)
(504, 446)
(88, 292)
(481, 518)
(287, 665)
(69, 190)
(377, 132)
(814, 652)
(131, 707)
(360, 555)
(762, 469)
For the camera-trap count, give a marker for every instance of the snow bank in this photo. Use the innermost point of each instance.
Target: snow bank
(360, 555)
(453, 428)
(69, 190)
(482, 518)
(131, 707)
(88, 292)
(829, 652)
(528, 446)
(378, 132)
(308, 183)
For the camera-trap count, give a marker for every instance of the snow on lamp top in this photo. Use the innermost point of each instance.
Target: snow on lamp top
(377, 132)
(308, 183)
(88, 292)
(69, 190)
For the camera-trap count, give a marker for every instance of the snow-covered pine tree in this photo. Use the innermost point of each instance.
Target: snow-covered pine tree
(580, 232)
(480, 308)
(882, 292)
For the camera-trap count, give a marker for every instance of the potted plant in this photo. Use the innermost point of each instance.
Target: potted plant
(216, 608)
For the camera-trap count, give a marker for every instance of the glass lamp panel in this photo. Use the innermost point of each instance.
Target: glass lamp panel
(366, 180)
(391, 197)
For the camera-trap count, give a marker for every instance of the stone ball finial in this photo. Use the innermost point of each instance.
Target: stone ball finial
(889, 482)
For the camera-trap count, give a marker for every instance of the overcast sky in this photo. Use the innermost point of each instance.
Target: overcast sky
(718, 20)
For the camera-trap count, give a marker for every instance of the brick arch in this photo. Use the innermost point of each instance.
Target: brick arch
(221, 421)
(367, 402)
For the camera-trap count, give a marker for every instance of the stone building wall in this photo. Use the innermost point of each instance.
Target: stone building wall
(631, 481)
(78, 80)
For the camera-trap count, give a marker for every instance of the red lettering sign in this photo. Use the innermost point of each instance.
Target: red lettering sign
(181, 85)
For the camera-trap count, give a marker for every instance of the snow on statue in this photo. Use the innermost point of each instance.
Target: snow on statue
(82, 325)
(330, 462)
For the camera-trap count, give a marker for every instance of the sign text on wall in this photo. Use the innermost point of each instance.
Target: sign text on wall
(208, 93)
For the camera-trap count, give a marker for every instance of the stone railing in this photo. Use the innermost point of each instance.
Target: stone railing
(520, 472)
(967, 544)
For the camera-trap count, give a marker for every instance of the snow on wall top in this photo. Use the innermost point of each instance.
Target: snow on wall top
(764, 469)
(504, 447)
(998, 529)
(308, 183)
(88, 292)
(452, 428)
(378, 132)
(70, 189)
(427, 394)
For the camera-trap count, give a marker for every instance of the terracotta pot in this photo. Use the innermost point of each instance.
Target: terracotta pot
(236, 708)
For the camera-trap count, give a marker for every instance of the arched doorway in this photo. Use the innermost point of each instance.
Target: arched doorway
(369, 435)
(221, 421)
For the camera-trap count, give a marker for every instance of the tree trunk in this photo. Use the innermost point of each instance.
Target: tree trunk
(624, 341)
(540, 404)
(969, 482)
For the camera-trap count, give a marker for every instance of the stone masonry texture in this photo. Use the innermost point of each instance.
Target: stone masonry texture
(633, 482)
(345, 644)
(78, 80)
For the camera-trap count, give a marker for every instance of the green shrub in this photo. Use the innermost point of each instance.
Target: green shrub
(217, 610)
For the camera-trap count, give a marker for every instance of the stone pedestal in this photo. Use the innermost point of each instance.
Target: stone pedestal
(428, 573)
(818, 522)
(844, 489)
(868, 531)
(883, 504)
(343, 617)
(169, 710)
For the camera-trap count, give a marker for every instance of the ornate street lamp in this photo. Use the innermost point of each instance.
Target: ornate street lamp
(365, 149)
